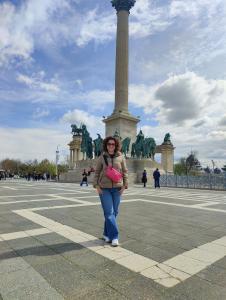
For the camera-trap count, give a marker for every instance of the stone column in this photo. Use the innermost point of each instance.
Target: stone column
(74, 156)
(121, 120)
(71, 158)
(167, 158)
(122, 61)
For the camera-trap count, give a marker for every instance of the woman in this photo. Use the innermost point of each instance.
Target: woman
(144, 178)
(109, 191)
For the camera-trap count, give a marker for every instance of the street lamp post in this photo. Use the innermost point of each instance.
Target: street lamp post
(57, 160)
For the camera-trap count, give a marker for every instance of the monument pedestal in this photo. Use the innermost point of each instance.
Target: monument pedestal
(135, 170)
(75, 150)
(137, 166)
(124, 123)
(167, 156)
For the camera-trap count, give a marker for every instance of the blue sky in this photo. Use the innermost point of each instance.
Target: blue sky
(57, 62)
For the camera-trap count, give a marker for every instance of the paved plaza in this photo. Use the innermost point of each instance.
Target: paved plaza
(172, 244)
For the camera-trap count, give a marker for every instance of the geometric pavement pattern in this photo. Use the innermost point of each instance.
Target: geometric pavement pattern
(170, 238)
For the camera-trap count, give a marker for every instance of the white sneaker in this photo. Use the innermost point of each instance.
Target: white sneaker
(114, 242)
(106, 239)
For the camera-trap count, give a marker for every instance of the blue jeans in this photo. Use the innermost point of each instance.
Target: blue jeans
(110, 200)
(157, 183)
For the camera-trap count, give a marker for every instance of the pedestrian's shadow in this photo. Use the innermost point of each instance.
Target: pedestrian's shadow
(52, 249)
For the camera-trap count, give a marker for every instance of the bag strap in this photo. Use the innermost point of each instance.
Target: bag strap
(105, 159)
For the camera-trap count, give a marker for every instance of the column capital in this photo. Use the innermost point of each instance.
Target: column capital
(123, 4)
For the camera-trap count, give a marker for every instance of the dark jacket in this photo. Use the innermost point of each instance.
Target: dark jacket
(156, 174)
(144, 177)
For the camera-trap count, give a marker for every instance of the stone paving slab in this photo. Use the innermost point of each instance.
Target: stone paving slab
(12, 284)
(55, 264)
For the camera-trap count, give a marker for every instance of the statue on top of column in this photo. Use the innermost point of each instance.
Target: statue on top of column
(123, 4)
(167, 139)
(75, 130)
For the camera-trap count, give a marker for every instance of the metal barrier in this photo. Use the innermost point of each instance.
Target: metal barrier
(209, 181)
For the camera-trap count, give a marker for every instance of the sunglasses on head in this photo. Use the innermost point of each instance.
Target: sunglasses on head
(111, 144)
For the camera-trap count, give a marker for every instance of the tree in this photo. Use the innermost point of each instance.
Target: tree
(45, 166)
(10, 165)
(188, 165)
(62, 168)
(180, 167)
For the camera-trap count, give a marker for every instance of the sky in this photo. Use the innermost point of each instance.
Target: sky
(57, 64)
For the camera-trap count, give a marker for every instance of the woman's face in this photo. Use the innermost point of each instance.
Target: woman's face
(111, 146)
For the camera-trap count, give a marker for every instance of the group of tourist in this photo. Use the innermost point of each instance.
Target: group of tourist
(156, 177)
(37, 176)
(110, 181)
(2, 174)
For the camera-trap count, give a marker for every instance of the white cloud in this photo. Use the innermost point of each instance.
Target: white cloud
(40, 113)
(77, 116)
(97, 99)
(185, 97)
(222, 121)
(186, 139)
(96, 26)
(191, 109)
(13, 41)
(22, 27)
(148, 19)
(142, 96)
(79, 82)
(44, 24)
(31, 143)
(180, 8)
(194, 38)
(36, 81)
(203, 37)
(182, 98)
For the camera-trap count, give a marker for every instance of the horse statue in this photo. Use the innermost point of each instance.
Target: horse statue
(137, 147)
(98, 145)
(75, 130)
(125, 146)
(149, 146)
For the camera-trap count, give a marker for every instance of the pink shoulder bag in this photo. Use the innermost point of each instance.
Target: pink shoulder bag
(111, 172)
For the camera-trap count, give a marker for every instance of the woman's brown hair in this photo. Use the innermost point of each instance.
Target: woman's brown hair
(111, 138)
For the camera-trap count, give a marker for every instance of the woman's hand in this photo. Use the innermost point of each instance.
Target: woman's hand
(122, 190)
(99, 190)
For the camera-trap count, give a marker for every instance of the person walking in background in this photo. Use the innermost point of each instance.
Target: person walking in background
(156, 176)
(84, 178)
(110, 187)
(144, 178)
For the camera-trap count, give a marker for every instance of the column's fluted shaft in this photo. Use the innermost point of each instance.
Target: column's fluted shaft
(122, 57)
